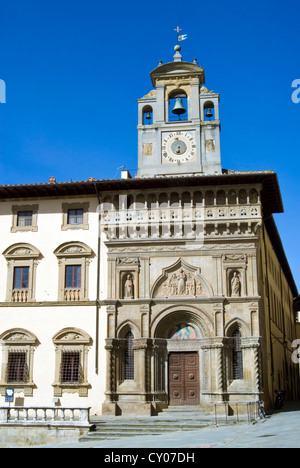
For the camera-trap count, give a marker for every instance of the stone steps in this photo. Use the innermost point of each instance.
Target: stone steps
(171, 419)
(98, 435)
(184, 409)
(116, 434)
(150, 428)
(174, 419)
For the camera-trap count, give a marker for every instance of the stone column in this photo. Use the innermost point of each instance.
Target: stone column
(158, 372)
(111, 311)
(252, 365)
(160, 116)
(217, 366)
(109, 406)
(205, 374)
(142, 366)
(219, 319)
(220, 367)
(255, 348)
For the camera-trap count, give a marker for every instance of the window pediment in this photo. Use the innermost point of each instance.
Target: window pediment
(18, 336)
(73, 249)
(21, 251)
(72, 336)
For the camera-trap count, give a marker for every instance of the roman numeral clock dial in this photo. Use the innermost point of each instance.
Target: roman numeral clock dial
(178, 147)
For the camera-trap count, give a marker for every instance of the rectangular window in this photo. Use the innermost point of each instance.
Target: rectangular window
(24, 218)
(73, 276)
(70, 367)
(21, 277)
(75, 216)
(16, 367)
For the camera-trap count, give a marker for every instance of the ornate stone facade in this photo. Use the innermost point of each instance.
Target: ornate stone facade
(205, 289)
(206, 293)
(131, 295)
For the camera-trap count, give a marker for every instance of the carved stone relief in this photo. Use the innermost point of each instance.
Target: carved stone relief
(181, 280)
(147, 149)
(182, 284)
(210, 146)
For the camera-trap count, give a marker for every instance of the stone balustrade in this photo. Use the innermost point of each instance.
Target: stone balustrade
(178, 222)
(44, 416)
(72, 294)
(20, 295)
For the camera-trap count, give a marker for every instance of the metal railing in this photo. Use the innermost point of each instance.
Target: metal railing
(236, 411)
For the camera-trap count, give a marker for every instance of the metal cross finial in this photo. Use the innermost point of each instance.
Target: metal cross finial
(178, 31)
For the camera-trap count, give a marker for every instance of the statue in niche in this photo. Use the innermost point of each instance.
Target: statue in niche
(128, 288)
(235, 285)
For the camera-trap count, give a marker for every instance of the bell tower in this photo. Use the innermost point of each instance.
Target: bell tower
(179, 125)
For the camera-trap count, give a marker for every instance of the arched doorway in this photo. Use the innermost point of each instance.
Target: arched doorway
(183, 365)
(184, 332)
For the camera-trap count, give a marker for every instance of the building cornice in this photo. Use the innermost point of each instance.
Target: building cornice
(271, 196)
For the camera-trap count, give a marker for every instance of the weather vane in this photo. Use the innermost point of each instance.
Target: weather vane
(180, 37)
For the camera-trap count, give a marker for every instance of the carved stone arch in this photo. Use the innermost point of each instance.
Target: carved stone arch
(140, 201)
(147, 109)
(126, 327)
(237, 324)
(106, 204)
(189, 315)
(175, 200)
(181, 280)
(163, 200)
(173, 91)
(186, 198)
(18, 336)
(21, 251)
(209, 198)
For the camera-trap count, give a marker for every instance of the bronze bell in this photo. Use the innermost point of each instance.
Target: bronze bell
(148, 117)
(179, 107)
(209, 114)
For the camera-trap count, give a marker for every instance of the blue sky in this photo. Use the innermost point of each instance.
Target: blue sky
(74, 70)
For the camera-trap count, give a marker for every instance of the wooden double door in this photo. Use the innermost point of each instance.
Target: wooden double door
(184, 385)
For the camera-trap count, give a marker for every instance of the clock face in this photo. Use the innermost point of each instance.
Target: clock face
(178, 147)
